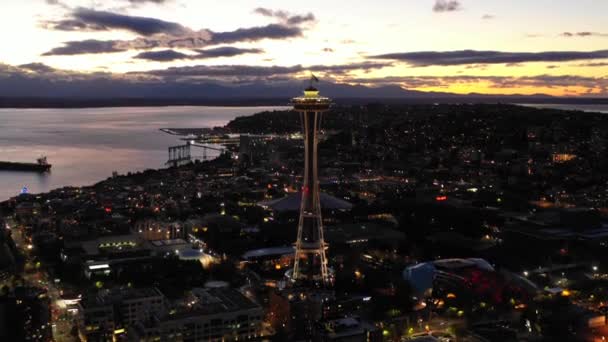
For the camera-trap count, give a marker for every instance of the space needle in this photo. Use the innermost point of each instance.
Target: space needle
(310, 262)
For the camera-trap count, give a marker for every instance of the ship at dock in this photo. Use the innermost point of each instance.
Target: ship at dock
(41, 165)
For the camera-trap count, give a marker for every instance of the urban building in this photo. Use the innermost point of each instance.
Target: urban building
(213, 314)
(348, 329)
(116, 311)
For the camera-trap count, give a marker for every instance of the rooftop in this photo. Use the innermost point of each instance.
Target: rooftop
(361, 232)
(131, 293)
(271, 251)
(170, 242)
(292, 202)
(345, 327)
(211, 301)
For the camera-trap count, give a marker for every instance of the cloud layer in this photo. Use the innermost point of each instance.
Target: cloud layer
(584, 34)
(234, 81)
(464, 57)
(88, 19)
(155, 33)
(171, 55)
(85, 47)
(599, 84)
(252, 71)
(285, 17)
(153, 39)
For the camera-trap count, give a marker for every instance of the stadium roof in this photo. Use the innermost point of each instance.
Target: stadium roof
(421, 276)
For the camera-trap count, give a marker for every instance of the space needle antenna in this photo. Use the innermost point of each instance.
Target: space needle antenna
(313, 78)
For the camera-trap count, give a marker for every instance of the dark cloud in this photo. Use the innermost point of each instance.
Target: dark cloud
(272, 31)
(264, 11)
(594, 65)
(162, 56)
(584, 34)
(226, 51)
(92, 20)
(300, 19)
(345, 68)
(464, 57)
(72, 25)
(285, 17)
(476, 66)
(57, 3)
(84, 47)
(171, 55)
(37, 67)
(447, 6)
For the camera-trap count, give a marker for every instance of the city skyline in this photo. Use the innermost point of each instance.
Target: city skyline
(467, 46)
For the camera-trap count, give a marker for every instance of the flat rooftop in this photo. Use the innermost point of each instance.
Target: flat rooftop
(212, 301)
(361, 232)
(166, 243)
(292, 203)
(269, 252)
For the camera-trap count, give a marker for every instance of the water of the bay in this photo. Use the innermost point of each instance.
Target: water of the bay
(86, 145)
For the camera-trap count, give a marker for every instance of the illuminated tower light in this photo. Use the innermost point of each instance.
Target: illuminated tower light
(310, 262)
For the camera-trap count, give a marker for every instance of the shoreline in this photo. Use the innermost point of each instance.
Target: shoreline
(87, 145)
(83, 103)
(181, 132)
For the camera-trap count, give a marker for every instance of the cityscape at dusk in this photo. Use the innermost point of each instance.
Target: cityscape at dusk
(388, 171)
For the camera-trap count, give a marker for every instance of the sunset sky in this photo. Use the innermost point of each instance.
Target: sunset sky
(557, 47)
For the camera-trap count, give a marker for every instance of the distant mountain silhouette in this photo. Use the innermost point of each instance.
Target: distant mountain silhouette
(108, 88)
(36, 92)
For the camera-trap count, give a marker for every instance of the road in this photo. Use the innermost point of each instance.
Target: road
(34, 274)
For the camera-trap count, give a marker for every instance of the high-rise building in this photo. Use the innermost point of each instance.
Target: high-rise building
(310, 262)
